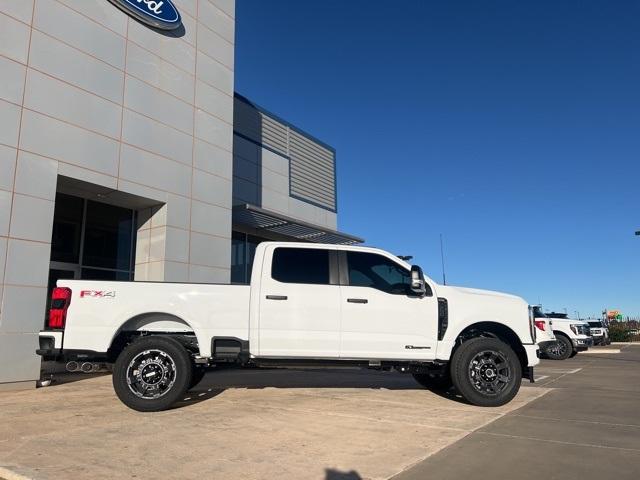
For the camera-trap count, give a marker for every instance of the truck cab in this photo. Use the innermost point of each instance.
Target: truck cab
(307, 304)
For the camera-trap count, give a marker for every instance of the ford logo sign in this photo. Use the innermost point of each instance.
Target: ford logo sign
(156, 13)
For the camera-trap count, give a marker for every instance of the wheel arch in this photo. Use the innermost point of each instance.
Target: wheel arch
(565, 335)
(147, 323)
(495, 330)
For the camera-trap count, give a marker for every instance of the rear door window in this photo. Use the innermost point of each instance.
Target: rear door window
(301, 265)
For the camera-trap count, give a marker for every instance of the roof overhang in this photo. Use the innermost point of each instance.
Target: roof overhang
(261, 219)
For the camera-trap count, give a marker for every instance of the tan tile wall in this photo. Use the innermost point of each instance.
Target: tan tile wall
(89, 93)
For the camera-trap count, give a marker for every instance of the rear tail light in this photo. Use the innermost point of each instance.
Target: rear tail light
(540, 324)
(532, 326)
(60, 301)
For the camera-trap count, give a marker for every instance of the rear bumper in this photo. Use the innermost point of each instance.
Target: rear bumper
(50, 344)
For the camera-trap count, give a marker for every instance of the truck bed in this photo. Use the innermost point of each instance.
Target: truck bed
(99, 310)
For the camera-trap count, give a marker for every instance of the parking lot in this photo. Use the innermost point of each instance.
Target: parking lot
(586, 427)
(580, 420)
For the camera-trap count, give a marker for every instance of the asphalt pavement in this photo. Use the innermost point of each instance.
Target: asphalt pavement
(587, 427)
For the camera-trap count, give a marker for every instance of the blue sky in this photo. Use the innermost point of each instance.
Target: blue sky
(512, 128)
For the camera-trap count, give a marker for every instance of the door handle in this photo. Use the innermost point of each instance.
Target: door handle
(357, 300)
(276, 297)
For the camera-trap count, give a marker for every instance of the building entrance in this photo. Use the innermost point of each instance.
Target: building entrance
(91, 241)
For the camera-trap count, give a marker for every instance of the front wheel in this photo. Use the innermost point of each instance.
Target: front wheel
(561, 349)
(486, 372)
(152, 373)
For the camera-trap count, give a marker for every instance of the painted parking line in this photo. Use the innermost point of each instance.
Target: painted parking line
(602, 350)
(546, 375)
(561, 371)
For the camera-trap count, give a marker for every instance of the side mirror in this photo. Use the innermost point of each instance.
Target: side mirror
(418, 285)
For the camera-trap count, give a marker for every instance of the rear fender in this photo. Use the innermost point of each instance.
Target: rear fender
(158, 322)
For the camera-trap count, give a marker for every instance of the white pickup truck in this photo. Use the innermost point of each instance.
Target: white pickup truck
(307, 304)
(572, 336)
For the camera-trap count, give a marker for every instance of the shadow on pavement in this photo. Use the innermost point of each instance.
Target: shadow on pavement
(217, 380)
(332, 474)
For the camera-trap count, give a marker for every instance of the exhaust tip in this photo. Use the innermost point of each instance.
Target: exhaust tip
(72, 366)
(87, 367)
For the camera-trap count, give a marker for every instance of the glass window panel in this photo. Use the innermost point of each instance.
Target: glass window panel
(300, 265)
(238, 258)
(94, 274)
(376, 271)
(67, 228)
(108, 236)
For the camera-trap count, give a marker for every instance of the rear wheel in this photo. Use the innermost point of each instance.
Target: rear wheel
(434, 381)
(486, 372)
(152, 373)
(561, 349)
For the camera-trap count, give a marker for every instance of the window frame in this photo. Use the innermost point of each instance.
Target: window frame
(333, 265)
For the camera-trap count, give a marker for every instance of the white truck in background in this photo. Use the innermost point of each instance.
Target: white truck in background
(307, 304)
(572, 336)
(598, 331)
(544, 328)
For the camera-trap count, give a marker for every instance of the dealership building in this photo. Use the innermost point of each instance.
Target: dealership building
(125, 154)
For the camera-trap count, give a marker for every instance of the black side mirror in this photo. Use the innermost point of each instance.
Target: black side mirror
(418, 285)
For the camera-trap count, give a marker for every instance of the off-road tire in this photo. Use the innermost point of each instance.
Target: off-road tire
(180, 366)
(469, 359)
(562, 350)
(434, 382)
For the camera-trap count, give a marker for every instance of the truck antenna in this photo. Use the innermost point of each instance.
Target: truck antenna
(444, 278)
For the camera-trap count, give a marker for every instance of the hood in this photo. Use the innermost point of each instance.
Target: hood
(570, 320)
(476, 291)
(468, 306)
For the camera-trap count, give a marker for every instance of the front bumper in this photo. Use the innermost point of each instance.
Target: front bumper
(533, 359)
(533, 354)
(582, 343)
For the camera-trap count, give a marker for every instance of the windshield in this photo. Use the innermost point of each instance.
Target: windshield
(595, 324)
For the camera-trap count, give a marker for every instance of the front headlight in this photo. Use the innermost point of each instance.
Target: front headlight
(577, 329)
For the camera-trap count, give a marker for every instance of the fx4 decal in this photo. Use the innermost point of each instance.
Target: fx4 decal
(97, 294)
